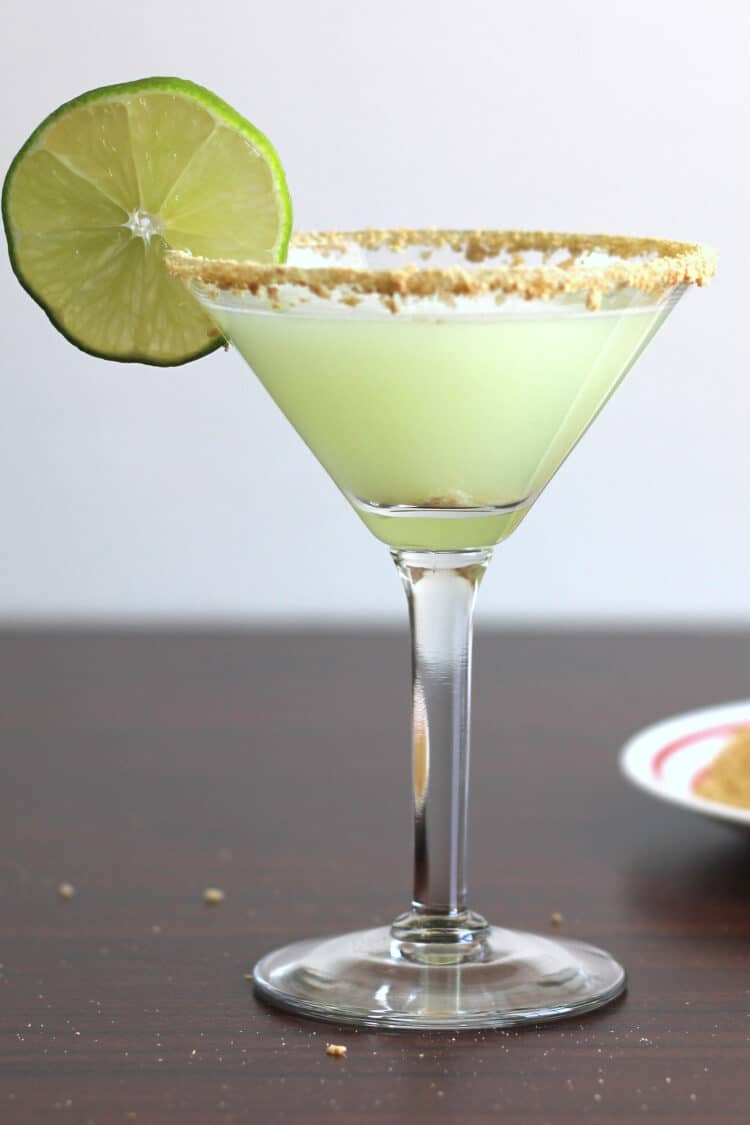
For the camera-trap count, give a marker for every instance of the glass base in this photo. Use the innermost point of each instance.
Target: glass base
(372, 979)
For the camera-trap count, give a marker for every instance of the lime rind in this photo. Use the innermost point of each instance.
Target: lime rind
(113, 206)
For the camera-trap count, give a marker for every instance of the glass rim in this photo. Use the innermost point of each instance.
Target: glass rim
(652, 265)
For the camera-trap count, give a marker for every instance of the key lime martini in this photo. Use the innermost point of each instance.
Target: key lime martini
(441, 425)
(441, 377)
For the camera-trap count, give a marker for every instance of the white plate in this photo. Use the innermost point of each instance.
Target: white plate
(668, 758)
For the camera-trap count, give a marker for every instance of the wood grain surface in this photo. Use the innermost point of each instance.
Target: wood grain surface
(144, 767)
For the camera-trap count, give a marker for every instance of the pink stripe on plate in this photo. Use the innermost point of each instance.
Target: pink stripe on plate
(665, 752)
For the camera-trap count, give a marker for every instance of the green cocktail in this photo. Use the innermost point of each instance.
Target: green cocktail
(444, 416)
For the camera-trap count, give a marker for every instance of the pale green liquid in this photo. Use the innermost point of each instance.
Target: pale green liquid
(422, 412)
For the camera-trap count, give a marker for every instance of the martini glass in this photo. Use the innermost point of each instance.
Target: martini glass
(441, 378)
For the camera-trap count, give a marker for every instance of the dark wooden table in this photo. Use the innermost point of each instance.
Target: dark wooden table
(144, 767)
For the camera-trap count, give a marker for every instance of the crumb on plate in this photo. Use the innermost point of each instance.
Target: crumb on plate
(727, 779)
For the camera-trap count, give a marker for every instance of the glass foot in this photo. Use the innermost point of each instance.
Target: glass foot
(372, 979)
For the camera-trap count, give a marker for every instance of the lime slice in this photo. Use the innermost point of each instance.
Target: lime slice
(110, 179)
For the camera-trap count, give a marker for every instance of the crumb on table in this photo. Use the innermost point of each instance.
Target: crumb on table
(336, 1050)
(555, 918)
(66, 890)
(212, 896)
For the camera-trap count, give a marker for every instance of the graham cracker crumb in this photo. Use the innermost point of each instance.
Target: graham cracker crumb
(556, 918)
(66, 890)
(336, 1050)
(454, 499)
(727, 779)
(212, 896)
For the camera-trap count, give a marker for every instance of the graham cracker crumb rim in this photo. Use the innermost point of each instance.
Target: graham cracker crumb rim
(651, 265)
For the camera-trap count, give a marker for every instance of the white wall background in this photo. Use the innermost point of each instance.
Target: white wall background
(136, 493)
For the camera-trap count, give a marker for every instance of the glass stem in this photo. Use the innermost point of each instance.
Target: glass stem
(441, 590)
